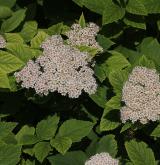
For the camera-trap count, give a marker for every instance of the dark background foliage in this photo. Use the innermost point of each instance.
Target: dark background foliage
(26, 108)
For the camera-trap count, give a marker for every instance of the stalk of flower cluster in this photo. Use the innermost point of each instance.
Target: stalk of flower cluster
(2, 42)
(61, 68)
(141, 94)
(102, 159)
(86, 36)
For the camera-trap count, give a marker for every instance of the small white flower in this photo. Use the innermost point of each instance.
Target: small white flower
(62, 68)
(101, 159)
(141, 94)
(78, 36)
(2, 42)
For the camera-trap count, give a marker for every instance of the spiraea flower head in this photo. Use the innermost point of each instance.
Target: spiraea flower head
(101, 159)
(141, 94)
(86, 36)
(2, 42)
(61, 68)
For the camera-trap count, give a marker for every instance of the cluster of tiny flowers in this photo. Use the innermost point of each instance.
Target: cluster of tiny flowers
(102, 159)
(2, 42)
(141, 94)
(61, 68)
(79, 36)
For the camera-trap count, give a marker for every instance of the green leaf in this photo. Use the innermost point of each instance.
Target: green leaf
(117, 80)
(29, 30)
(128, 53)
(91, 149)
(9, 154)
(28, 151)
(13, 83)
(23, 52)
(156, 131)
(4, 81)
(107, 144)
(28, 162)
(61, 144)
(114, 102)
(38, 39)
(9, 139)
(126, 126)
(8, 3)
(82, 21)
(109, 120)
(97, 6)
(14, 37)
(144, 61)
(91, 116)
(6, 128)
(129, 163)
(152, 6)
(112, 13)
(101, 71)
(91, 50)
(70, 158)
(135, 21)
(106, 43)
(93, 136)
(55, 29)
(25, 130)
(113, 30)
(36, 52)
(5, 12)
(46, 129)
(139, 153)
(117, 61)
(40, 2)
(75, 129)
(14, 21)
(150, 47)
(100, 96)
(110, 117)
(26, 136)
(9, 63)
(41, 150)
(78, 2)
(65, 29)
(136, 7)
(28, 140)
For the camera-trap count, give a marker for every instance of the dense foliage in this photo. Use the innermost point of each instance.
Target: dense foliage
(58, 130)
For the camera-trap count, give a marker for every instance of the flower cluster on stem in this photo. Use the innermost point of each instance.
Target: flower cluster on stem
(141, 94)
(61, 68)
(86, 36)
(101, 159)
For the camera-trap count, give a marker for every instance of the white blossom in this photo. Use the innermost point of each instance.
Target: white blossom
(102, 159)
(61, 68)
(2, 42)
(86, 36)
(141, 94)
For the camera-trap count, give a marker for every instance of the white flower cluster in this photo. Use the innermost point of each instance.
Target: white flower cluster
(79, 36)
(2, 42)
(61, 68)
(141, 94)
(101, 159)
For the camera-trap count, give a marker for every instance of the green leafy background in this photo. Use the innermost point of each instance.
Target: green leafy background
(56, 130)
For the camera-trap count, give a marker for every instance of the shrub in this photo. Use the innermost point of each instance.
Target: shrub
(79, 82)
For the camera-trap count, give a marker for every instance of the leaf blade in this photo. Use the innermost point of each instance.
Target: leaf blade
(139, 153)
(13, 22)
